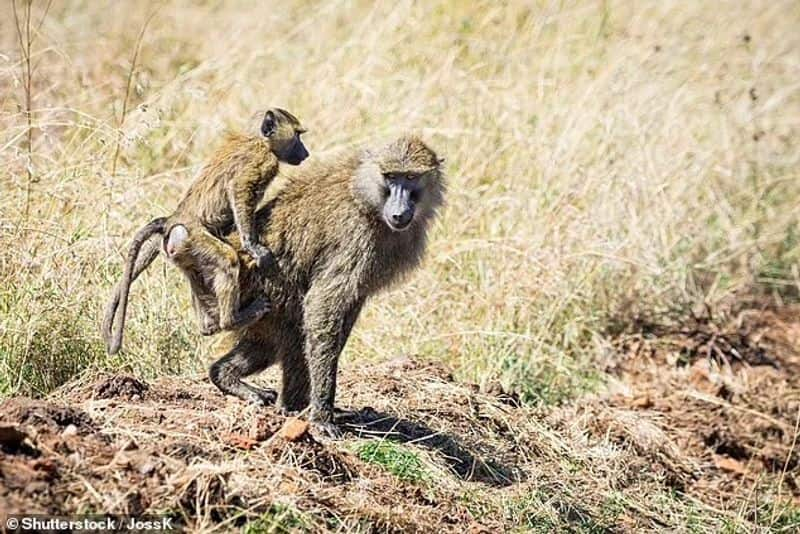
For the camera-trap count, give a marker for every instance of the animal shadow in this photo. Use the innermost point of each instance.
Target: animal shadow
(467, 465)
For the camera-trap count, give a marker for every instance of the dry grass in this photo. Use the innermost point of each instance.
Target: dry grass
(608, 161)
(605, 161)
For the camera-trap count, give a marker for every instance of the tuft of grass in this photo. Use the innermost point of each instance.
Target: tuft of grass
(398, 459)
(545, 382)
(279, 519)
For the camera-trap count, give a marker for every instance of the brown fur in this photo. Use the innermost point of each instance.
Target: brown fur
(334, 249)
(224, 195)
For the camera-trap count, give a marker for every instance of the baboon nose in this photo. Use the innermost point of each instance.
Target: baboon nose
(402, 218)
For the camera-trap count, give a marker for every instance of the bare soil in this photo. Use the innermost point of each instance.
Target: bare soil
(707, 413)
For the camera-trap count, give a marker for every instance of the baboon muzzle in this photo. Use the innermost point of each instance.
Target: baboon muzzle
(297, 154)
(399, 208)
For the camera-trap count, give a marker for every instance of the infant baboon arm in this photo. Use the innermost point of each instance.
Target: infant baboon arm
(244, 192)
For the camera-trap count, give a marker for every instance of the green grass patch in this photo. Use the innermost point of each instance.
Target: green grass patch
(279, 519)
(398, 459)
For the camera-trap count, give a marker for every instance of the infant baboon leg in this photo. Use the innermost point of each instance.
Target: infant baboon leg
(225, 279)
(208, 324)
(179, 244)
(244, 359)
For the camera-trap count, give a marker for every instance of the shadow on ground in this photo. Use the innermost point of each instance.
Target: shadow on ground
(369, 423)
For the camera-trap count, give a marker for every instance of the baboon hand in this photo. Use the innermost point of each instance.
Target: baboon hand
(261, 254)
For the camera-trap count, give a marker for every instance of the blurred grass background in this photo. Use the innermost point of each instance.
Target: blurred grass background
(608, 161)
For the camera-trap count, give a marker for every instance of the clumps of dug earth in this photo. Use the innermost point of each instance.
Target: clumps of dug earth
(697, 426)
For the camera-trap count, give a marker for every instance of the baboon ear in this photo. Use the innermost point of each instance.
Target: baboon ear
(268, 126)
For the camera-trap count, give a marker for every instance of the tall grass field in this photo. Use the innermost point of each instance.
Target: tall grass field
(608, 163)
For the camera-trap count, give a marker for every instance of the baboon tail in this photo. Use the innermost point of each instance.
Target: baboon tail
(141, 254)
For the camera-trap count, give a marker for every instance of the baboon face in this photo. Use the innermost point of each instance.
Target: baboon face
(403, 191)
(409, 181)
(283, 131)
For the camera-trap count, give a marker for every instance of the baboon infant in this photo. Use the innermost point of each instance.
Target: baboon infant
(223, 196)
(341, 230)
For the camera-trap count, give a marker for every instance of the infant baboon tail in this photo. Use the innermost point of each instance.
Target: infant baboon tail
(138, 261)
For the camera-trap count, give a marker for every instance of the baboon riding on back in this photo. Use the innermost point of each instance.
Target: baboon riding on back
(341, 230)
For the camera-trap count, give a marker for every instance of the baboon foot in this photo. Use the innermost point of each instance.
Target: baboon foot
(209, 328)
(248, 393)
(322, 425)
(325, 431)
(262, 255)
(260, 396)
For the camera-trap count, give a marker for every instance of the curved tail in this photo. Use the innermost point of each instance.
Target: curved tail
(135, 264)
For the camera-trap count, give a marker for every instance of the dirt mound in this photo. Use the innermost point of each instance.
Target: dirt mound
(698, 420)
(121, 386)
(115, 444)
(724, 395)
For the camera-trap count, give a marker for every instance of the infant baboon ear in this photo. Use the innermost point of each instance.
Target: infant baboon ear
(269, 124)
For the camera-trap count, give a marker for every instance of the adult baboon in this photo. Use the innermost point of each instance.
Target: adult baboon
(224, 194)
(341, 230)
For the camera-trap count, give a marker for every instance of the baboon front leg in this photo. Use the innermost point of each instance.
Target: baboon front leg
(328, 320)
(243, 360)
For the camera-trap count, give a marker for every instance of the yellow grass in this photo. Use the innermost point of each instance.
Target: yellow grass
(607, 161)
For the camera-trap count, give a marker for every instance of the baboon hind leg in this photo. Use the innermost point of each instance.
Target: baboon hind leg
(295, 381)
(244, 359)
(213, 262)
(202, 304)
(226, 285)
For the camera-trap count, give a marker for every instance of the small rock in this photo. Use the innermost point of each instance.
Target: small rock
(293, 429)
(730, 465)
(239, 441)
(147, 468)
(644, 402)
